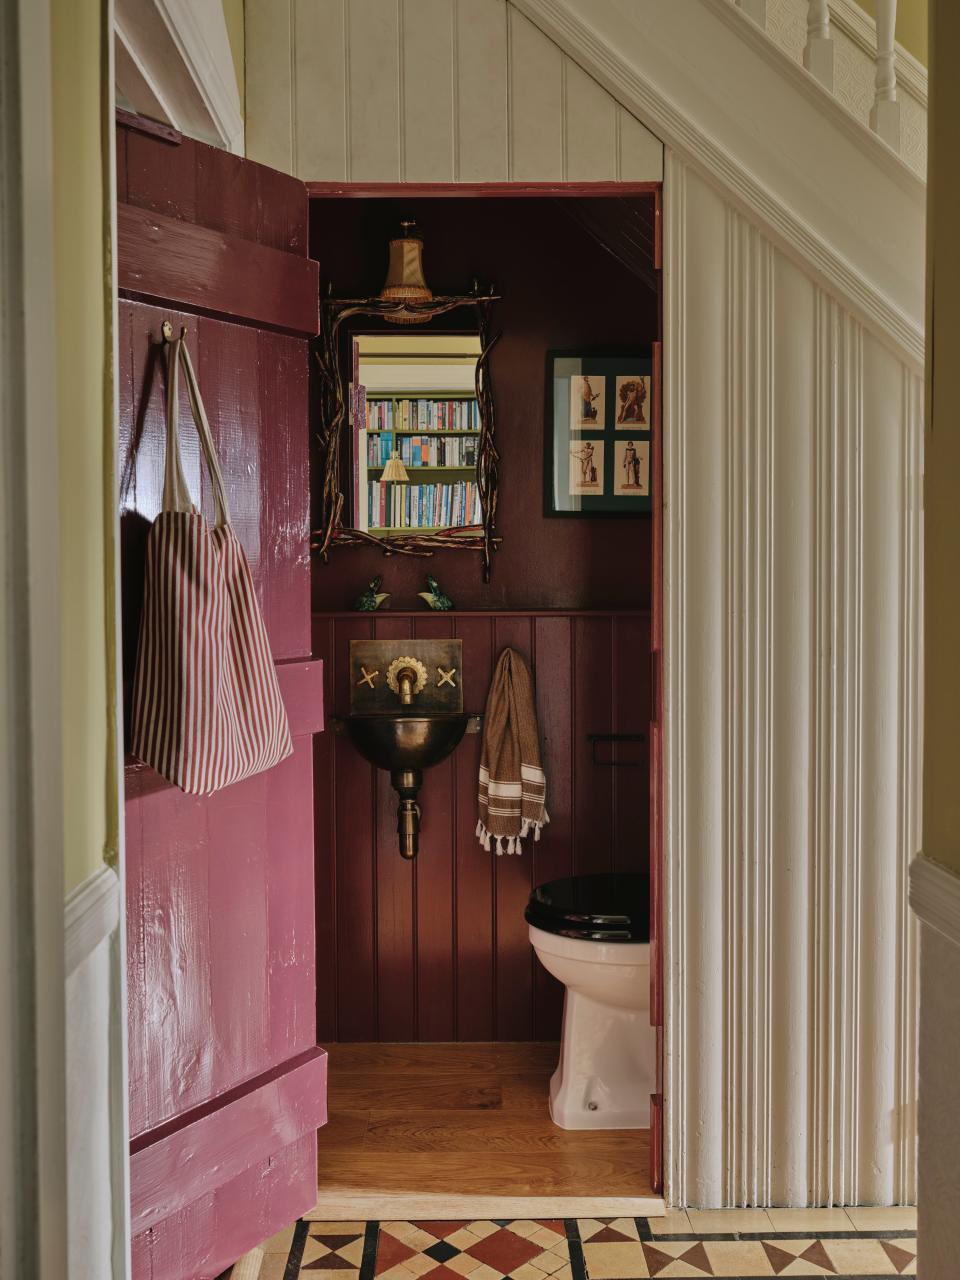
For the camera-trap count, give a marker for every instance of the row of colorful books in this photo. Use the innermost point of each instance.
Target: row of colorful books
(422, 415)
(423, 506)
(421, 451)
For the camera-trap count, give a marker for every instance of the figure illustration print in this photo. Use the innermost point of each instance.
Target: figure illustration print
(632, 479)
(587, 401)
(633, 393)
(586, 467)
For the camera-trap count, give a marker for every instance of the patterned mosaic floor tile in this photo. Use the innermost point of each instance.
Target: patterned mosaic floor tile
(741, 1244)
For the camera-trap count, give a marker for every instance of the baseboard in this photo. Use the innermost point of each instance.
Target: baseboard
(94, 1076)
(342, 1205)
(935, 896)
(91, 914)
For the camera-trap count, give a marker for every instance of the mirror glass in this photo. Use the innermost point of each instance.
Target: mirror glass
(416, 432)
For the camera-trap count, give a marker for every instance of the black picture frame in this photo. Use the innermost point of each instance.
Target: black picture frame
(605, 442)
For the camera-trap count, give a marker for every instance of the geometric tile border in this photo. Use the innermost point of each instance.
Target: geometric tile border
(581, 1249)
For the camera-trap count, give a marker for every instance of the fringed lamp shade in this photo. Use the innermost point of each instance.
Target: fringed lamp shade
(395, 470)
(405, 281)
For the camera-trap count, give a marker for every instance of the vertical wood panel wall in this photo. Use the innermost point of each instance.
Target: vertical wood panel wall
(429, 91)
(792, 574)
(437, 949)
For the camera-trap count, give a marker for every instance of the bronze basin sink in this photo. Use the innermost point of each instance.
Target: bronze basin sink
(403, 742)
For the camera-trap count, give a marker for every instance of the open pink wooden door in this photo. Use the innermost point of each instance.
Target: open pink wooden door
(227, 1085)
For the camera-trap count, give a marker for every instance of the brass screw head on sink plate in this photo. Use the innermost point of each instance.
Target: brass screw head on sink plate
(411, 664)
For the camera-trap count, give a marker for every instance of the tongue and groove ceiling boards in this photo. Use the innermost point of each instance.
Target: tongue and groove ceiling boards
(793, 350)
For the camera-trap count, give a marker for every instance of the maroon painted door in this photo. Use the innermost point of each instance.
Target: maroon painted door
(227, 1084)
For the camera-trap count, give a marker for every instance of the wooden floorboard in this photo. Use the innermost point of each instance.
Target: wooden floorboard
(452, 1127)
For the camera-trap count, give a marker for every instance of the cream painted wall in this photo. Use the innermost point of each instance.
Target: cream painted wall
(81, 264)
(911, 24)
(233, 17)
(941, 794)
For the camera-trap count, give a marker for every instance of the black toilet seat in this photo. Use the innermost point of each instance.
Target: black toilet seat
(607, 907)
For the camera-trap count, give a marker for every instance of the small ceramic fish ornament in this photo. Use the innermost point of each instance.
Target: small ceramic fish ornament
(373, 597)
(435, 597)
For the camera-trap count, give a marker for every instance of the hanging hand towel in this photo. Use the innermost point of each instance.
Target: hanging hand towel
(513, 788)
(207, 709)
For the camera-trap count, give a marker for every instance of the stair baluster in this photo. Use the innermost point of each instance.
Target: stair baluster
(818, 53)
(885, 112)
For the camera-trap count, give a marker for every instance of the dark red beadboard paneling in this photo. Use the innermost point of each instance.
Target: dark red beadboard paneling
(437, 949)
(570, 293)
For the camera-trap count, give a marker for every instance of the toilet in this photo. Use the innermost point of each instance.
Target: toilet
(592, 932)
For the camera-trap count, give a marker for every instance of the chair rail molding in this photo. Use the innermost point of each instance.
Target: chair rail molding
(935, 896)
(700, 74)
(91, 914)
(173, 63)
(792, 721)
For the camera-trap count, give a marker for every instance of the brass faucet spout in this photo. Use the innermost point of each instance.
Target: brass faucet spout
(406, 679)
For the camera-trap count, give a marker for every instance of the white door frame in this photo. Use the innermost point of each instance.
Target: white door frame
(33, 1156)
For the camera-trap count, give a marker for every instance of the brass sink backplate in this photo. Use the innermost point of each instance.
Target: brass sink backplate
(376, 676)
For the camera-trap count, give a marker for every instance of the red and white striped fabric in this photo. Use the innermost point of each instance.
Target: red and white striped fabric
(207, 709)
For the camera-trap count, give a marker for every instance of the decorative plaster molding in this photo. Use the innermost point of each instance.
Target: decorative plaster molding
(862, 289)
(174, 61)
(935, 896)
(856, 23)
(91, 914)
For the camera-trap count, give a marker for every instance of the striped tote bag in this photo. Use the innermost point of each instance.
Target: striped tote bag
(206, 709)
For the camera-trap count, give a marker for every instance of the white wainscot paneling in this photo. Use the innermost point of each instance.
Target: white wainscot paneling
(92, 953)
(792, 458)
(429, 91)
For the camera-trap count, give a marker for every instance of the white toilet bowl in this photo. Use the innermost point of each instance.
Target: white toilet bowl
(606, 1072)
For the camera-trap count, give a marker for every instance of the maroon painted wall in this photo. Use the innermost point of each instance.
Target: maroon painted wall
(561, 289)
(437, 949)
(220, 923)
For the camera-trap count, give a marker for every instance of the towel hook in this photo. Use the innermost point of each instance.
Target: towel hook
(166, 329)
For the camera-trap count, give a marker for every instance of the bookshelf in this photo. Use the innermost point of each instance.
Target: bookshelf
(429, 417)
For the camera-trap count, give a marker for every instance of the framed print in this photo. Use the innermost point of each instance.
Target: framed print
(598, 432)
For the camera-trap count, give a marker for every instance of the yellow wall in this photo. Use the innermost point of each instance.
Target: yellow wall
(941, 750)
(86, 538)
(233, 16)
(911, 25)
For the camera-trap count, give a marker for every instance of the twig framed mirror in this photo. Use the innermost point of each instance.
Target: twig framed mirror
(413, 413)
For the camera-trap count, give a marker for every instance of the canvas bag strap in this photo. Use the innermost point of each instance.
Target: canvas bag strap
(176, 494)
(206, 438)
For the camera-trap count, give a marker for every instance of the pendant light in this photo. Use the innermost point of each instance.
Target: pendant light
(405, 280)
(395, 470)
